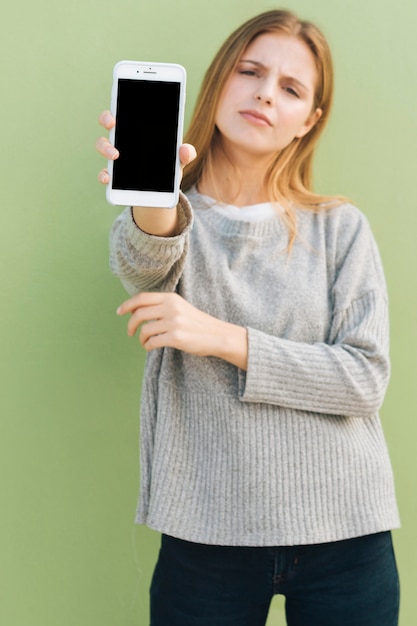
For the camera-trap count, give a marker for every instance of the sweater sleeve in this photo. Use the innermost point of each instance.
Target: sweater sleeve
(146, 262)
(348, 373)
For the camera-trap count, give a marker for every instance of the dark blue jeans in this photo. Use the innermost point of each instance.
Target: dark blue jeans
(346, 583)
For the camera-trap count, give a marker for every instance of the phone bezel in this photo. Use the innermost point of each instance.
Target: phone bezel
(150, 71)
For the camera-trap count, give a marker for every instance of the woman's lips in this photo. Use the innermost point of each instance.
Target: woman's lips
(255, 117)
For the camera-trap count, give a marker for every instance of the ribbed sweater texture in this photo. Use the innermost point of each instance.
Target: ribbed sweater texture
(291, 451)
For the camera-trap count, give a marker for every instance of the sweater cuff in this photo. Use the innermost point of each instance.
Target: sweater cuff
(185, 213)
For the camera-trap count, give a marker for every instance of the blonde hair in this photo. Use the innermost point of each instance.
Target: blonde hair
(289, 179)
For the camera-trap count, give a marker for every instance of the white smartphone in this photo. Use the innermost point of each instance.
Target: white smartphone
(147, 102)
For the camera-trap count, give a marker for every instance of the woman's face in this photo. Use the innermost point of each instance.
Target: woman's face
(268, 99)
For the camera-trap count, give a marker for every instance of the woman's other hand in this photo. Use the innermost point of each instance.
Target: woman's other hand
(168, 320)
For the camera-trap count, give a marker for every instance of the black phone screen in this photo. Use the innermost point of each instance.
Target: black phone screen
(146, 135)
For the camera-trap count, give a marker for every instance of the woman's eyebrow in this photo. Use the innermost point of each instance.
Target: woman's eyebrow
(253, 62)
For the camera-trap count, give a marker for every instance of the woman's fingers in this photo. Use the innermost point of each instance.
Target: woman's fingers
(103, 176)
(141, 300)
(141, 315)
(187, 154)
(106, 149)
(107, 120)
(143, 307)
(152, 333)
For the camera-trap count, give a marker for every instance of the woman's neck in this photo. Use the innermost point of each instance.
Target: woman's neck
(239, 183)
(222, 191)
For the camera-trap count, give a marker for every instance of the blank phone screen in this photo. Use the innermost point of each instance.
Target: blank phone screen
(146, 135)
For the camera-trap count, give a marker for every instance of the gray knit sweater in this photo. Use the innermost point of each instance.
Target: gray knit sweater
(291, 451)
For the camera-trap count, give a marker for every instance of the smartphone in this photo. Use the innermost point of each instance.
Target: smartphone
(147, 102)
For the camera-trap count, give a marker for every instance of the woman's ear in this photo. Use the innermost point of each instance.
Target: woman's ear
(311, 121)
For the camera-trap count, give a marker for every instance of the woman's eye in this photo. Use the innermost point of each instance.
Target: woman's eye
(248, 72)
(291, 91)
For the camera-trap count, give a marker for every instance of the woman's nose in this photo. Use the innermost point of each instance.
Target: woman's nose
(265, 91)
(263, 98)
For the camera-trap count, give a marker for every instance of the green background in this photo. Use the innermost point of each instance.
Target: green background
(70, 553)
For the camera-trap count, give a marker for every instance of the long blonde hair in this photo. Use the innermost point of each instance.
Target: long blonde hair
(289, 179)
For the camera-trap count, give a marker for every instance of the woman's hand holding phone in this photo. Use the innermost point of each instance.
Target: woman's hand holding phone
(162, 222)
(104, 147)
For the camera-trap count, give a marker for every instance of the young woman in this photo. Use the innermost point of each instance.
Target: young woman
(263, 309)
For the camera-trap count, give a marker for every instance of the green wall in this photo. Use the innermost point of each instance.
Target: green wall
(69, 551)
